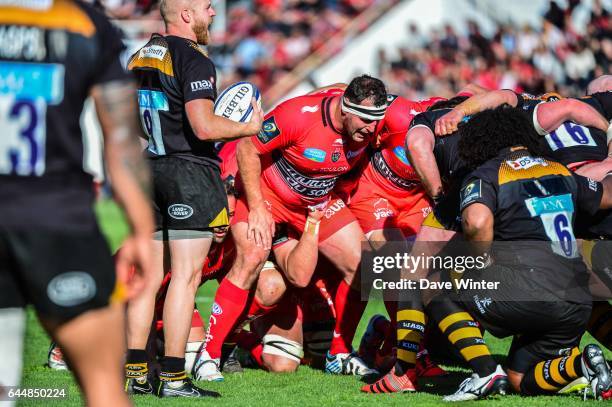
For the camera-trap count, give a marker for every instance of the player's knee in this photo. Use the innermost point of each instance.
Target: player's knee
(188, 275)
(248, 263)
(270, 287)
(280, 365)
(281, 354)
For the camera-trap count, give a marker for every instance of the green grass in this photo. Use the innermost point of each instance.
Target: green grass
(307, 387)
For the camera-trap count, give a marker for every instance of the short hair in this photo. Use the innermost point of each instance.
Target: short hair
(364, 87)
(164, 10)
(447, 104)
(488, 132)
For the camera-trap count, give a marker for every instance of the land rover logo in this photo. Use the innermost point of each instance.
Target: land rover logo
(71, 288)
(180, 211)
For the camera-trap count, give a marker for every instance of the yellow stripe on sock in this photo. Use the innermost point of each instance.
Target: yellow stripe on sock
(411, 315)
(406, 356)
(555, 373)
(569, 366)
(474, 351)
(539, 377)
(408, 335)
(462, 333)
(452, 318)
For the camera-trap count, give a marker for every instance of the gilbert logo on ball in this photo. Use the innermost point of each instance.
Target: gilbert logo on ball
(234, 103)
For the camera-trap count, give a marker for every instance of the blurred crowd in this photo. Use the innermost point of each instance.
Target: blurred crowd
(266, 38)
(552, 57)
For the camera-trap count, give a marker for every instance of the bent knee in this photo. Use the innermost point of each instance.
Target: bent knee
(270, 287)
(281, 354)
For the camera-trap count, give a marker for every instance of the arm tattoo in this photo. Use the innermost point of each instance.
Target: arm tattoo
(116, 106)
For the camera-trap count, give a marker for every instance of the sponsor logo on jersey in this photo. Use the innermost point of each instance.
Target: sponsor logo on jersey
(269, 130)
(180, 211)
(391, 98)
(335, 156)
(314, 154)
(471, 192)
(593, 185)
(310, 109)
(216, 309)
(22, 42)
(550, 204)
(526, 162)
(400, 153)
(355, 153)
(338, 142)
(154, 51)
(201, 85)
(71, 288)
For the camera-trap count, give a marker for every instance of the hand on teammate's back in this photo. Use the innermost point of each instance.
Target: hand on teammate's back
(134, 266)
(256, 118)
(448, 123)
(261, 226)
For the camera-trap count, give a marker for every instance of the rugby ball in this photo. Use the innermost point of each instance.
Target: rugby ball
(234, 103)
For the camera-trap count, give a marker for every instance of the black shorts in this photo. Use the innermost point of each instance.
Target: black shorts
(187, 195)
(63, 274)
(542, 329)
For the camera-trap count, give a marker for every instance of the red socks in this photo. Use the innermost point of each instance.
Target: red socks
(230, 302)
(349, 309)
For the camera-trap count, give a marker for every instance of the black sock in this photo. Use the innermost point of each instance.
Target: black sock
(136, 363)
(463, 332)
(549, 376)
(172, 369)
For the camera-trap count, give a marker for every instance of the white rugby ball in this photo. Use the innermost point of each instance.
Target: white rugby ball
(234, 103)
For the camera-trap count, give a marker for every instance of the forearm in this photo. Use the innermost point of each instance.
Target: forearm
(421, 156)
(128, 171)
(489, 100)
(302, 260)
(249, 167)
(219, 128)
(549, 116)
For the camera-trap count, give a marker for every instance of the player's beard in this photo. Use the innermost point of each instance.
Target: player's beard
(200, 30)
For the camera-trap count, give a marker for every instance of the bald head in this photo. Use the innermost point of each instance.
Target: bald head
(188, 18)
(601, 84)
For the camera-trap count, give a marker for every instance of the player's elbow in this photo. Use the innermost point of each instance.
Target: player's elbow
(474, 223)
(203, 132)
(298, 280)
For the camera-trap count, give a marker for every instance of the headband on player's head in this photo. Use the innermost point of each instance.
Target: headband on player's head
(365, 112)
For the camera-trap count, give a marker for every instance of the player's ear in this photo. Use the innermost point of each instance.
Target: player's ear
(186, 15)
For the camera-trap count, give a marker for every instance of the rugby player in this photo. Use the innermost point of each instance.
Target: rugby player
(576, 133)
(514, 195)
(52, 253)
(177, 89)
(305, 144)
(440, 171)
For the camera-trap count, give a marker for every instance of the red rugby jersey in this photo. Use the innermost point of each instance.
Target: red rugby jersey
(302, 153)
(389, 166)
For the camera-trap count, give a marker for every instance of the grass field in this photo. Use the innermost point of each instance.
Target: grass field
(307, 387)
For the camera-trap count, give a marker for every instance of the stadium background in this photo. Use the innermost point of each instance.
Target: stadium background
(420, 48)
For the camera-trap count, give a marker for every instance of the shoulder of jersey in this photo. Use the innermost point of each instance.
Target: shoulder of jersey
(303, 107)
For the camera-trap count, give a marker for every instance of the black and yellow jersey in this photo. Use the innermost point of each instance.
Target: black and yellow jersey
(52, 53)
(446, 149)
(172, 71)
(535, 200)
(570, 143)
